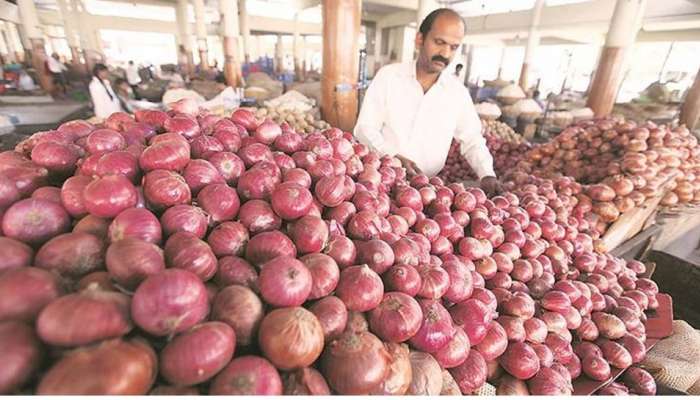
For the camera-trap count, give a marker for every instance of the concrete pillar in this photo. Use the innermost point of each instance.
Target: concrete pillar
(341, 29)
(89, 40)
(625, 24)
(229, 21)
(468, 67)
(201, 31)
(533, 40)
(690, 111)
(500, 64)
(279, 55)
(245, 30)
(377, 48)
(33, 33)
(425, 7)
(297, 50)
(9, 43)
(69, 28)
(184, 35)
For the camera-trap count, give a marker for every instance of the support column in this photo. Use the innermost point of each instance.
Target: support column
(279, 55)
(468, 67)
(377, 48)
(245, 30)
(297, 51)
(425, 7)
(533, 40)
(341, 29)
(71, 34)
(184, 35)
(500, 64)
(690, 111)
(229, 20)
(32, 30)
(623, 29)
(89, 41)
(201, 30)
(9, 43)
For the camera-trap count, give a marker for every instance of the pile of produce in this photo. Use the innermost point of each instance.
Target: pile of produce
(623, 163)
(184, 253)
(506, 147)
(300, 121)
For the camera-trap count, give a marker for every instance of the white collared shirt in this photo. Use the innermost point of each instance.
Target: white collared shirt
(398, 118)
(104, 100)
(132, 75)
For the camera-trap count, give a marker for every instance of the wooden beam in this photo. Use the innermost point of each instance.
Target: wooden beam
(690, 112)
(341, 29)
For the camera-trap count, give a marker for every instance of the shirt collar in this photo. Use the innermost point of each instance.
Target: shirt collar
(410, 72)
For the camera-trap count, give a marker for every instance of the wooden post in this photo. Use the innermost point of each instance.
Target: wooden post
(201, 30)
(533, 40)
(229, 19)
(690, 111)
(341, 30)
(621, 34)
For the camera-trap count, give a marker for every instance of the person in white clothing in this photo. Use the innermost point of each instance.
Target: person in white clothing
(133, 77)
(104, 100)
(57, 69)
(413, 111)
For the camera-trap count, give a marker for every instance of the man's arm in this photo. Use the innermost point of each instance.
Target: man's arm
(368, 129)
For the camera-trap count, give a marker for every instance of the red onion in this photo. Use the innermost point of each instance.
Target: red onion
(291, 338)
(474, 317)
(137, 223)
(267, 245)
(609, 326)
(26, 291)
(21, 355)
(257, 216)
(219, 201)
(291, 201)
(168, 302)
(164, 189)
(285, 282)
(397, 318)
(229, 166)
(435, 282)
(71, 254)
(356, 363)
(436, 329)
(309, 234)
(241, 309)
(15, 254)
(640, 381)
(596, 368)
(461, 282)
(247, 375)
(332, 314)
(494, 343)
(181, 363)
(360, 288)
(184, 218)
(470, 375)
(34, 221)
(82, 318)
(548, 382)
(616, 354)
(342, 250)
(131, 260)
(403, 278)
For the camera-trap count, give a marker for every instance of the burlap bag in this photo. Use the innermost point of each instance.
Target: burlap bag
(695, 389)
(675, 361)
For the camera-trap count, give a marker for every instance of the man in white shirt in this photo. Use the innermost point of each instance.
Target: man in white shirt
(56, 69)
(132, 76)
(413, 111)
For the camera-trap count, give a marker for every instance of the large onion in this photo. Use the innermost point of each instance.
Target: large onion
(34, 221)
(427, 375)
(291, 338)
(397, 318)
(72, 254)
(400, 372)
(247, 375)
(285, 282)
(471, 375)
(130, 261)
(20, 354)
(240, 308)
(333, 316)
(436, 329)
(360, 288)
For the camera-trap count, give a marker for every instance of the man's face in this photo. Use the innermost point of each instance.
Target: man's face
(438, 47)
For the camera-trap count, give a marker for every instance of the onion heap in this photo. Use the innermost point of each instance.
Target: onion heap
(236, 256)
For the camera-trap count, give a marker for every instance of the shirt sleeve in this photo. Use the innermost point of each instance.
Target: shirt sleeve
(472, 143)
(370, 122)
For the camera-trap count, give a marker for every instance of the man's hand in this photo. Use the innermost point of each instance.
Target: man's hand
(491, 185)
(411, 167)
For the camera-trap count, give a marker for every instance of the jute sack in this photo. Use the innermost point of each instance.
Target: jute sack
(675, 361)
(695, 389)
(486, 390)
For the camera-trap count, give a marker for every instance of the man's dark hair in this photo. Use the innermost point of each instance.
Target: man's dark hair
(427, 23)
(97, 68)
(119, 81)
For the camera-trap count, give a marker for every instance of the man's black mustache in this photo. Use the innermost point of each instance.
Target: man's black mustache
(442, 59)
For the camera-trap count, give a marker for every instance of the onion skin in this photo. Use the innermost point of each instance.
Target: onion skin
(355, 363)
(136, 223)
(197, 355)
(325, 274)
(185, 251)
(291, 338)
(108, 196)
(168, 302)
(241, 309)
(285, 282)
(427, 375)
(548, 382)
(455, 352)
(520, 360)
(83, 318)
(247, 375)
(360, 288)
(265, 246)
(25, 292)
(114, 367)
(397, 318)
(20, 355)
(400, 371)
(596, 368)
(510, 386)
